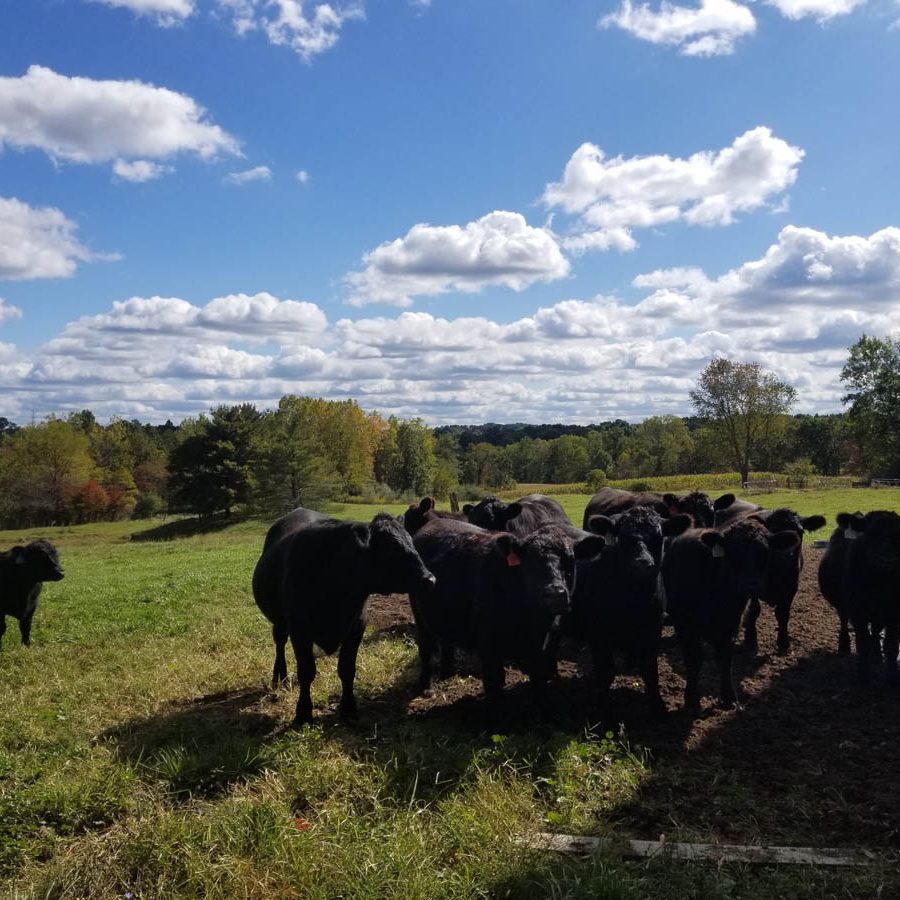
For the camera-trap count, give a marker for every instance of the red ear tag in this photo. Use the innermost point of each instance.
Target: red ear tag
(513, 560)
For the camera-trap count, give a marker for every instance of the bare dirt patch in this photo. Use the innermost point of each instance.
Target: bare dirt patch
(811, 759)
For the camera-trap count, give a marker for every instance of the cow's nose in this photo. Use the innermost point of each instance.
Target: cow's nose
(558, 600)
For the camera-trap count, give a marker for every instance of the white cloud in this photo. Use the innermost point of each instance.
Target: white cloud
(307, 28)
(257, 173)
(821, 10)
(497, 249)
(37, 242)
(166, 12)
(612, 197)
(140, 170)
(86, 121)
(7, 311)
(303, 176)
(796, 310)
(708, 30)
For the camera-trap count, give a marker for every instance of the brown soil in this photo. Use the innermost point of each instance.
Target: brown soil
(811, 759)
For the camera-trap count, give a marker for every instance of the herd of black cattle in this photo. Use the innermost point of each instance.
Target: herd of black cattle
(508, 580)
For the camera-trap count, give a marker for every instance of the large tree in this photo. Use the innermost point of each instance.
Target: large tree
(872, 373)
(745, 405)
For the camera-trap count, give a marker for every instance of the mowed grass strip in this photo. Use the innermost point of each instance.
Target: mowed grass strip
(141, 751)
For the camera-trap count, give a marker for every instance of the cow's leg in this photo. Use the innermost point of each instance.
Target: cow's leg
(448, 659)
(727, 695)
(649, 660)
(783, 617)
(493, 675)
(864, 641)
(692, 651)
(844, 636)
(751, 614)
(306, 674)
(279, 670)
(25, 628)
(604, 672)
(891, 648)
(347, 668)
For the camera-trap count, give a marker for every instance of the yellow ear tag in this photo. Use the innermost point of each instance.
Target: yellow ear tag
(512, 559)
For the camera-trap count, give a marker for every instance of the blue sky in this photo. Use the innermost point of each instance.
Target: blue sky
(467, 210)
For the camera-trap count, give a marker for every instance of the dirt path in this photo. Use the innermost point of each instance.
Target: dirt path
(811, 759)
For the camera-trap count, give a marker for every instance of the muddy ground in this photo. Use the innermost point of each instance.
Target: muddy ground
(811, 759)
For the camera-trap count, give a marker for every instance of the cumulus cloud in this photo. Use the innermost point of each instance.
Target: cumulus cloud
(83, 120)
(613, 196)
(710, 29)
(796, 309)
(257, 173)
(7, 311)
(303, 176)
(166, 12)
(497, 249)
(37, 242)
(140, 170)
(307, 28)
(821, 10)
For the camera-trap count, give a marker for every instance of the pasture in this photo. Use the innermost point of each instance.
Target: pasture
(142, 752)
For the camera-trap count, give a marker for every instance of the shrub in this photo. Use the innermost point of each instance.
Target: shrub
(640, 486)
(148, 505)
(596, 479)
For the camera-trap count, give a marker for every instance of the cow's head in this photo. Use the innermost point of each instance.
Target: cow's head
(391, 559)
(491, 513)
(696, 504)
(39, 561)
(743, 551)
(417, 515)
(636, 538)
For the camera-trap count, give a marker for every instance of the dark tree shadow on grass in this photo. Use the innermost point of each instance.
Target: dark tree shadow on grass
(185, 528)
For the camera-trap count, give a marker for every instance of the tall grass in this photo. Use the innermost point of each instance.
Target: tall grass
(142, 753)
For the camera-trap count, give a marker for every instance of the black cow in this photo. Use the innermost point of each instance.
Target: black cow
(312, 582)
(832, 568)
(521, 518)
(737, 509)
(498, 594)
(610, 501)
(783, 579)
(22, 573)
(417, 515)
(709, 577)
(617, 603)
(872, 591)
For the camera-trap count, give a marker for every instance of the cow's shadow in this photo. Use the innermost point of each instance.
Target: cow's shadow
(178, 529)
(201, 746)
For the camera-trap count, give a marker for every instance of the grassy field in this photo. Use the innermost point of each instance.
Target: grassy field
(142, 754)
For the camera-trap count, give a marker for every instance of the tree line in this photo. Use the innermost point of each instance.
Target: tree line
(309, 450)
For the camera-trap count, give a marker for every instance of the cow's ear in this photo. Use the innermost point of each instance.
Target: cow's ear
(509, 548)
(724, 501)
(671, 500)
(813, 523)
(426, 505)
(714, 542)
(467, 508)
(676, 525)
(360, 535)
(511, 510)
(784, 540)
(589, 547)
(603, 526)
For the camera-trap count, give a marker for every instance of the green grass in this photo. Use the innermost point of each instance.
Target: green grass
(140, 751)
